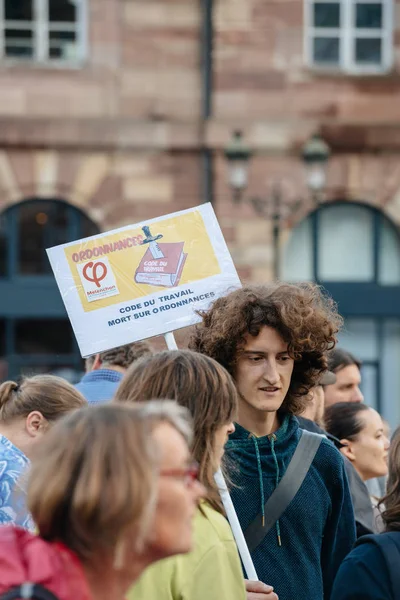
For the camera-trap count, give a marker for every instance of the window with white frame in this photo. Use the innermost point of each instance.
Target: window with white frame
(43, 31)
(353, 36)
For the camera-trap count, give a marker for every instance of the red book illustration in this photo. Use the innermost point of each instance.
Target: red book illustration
(162, 264)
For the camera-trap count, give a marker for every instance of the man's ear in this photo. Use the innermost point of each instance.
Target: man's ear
(35, 423)
(347, 449)
(97, 363)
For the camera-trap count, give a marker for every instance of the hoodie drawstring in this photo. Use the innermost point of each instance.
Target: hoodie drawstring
(260, 475)
(277, 525)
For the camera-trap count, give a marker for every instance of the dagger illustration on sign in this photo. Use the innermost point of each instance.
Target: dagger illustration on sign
(161, 265)
(151, 240)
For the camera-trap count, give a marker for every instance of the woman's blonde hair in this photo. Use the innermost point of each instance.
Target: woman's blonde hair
(94, 477)
(50, 395)
(196, 382)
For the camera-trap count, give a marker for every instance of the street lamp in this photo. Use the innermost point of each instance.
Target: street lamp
(315, 154)
(238, 155)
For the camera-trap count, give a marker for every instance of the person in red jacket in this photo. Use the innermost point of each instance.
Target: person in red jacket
(111, 491)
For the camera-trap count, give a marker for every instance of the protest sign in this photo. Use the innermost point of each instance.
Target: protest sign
(143, 280)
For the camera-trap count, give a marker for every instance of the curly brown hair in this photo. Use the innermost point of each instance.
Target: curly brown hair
(306, 318)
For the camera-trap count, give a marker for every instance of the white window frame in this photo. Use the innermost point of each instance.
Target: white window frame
(41, 27)
(347, 33)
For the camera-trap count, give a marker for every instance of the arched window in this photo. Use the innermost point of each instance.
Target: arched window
(353, 250)
(31, 226)
(344, 242)
(35, 333)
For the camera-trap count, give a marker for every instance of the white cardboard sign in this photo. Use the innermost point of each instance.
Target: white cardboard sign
(143, 280)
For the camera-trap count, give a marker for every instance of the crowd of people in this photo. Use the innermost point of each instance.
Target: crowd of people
(108, 489)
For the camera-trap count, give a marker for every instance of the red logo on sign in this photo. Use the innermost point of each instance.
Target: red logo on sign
(96, 277)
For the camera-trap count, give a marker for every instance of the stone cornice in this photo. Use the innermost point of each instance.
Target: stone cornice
(98, 134)
(110, 135)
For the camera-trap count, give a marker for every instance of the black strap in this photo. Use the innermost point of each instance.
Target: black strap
(389, 544)
(29, 590)
(286, 490)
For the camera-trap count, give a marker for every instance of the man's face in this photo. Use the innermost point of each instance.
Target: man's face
(264, 370)
(346, 388)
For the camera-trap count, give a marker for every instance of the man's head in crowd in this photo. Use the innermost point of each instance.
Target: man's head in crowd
(316, 406)
(273, 339)
(348, 378)
(118, 359)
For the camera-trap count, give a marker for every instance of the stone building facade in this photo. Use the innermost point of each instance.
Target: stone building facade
(137, 128)
(122, 137)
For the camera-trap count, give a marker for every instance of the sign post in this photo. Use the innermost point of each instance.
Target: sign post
(235, 526)
(170, 341)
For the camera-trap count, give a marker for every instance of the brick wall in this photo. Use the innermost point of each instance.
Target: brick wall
(263, 87)
(121, 138)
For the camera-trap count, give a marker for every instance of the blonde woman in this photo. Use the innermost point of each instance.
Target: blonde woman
(27, 411)
(103, 490)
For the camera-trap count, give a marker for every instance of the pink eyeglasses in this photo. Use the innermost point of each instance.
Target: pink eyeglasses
(188, 475)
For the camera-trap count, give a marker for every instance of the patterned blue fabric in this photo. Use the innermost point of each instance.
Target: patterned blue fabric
(13, 465)
(100, 385)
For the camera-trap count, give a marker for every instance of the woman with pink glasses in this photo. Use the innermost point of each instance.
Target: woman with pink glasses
(102, 490)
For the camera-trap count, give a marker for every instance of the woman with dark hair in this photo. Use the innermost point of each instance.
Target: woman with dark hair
(273, 339)
(212, 570)
(363, 442)
(372, 570)
(111, 491)
(361, 431)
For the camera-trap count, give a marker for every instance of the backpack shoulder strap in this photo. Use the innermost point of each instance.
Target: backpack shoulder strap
(389, 545)
(286, 490)
(28, 590)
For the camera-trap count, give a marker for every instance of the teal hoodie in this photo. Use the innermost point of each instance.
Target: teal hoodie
(301, 555)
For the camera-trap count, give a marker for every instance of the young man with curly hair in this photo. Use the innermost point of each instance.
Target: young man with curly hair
(273, 340)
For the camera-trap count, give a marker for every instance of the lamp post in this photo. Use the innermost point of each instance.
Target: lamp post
(238, 155)
(315, 155)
